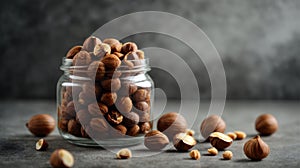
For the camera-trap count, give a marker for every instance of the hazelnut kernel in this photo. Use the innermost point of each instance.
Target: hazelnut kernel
(212, 151)
(240, 135)
(124, 154)
(101, 50)
(190, 132)
(61, 158)
(227, 155)
(232, 135)
(195, 154)
(41, 145)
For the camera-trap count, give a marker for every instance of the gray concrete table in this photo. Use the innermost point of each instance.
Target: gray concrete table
(17, 144)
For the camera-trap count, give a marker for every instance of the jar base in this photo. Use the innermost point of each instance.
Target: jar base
(117, 142)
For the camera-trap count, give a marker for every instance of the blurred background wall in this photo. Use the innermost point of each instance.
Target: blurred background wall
(258, 41)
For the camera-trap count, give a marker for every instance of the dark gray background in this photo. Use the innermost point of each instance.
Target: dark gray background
(258, 41)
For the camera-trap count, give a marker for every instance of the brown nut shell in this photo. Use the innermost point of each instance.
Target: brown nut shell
(73, 51)
(96, 70)
(111, 61)
(112, 85)
(220, 140)
(266, 124)
(171, 124)
(90, 43)
(141, 95)
(155, 140)
(130, 119)
(256, 149)
(145, 127)
(124, 105)
(61, 158)
(98, 125)
(212, 123)
(41, 125)
(74, 128)
(133, 131)
(109, 98)
(97, 109)
(129, 46)
(82, 58)
(183, 142)
(115, 44)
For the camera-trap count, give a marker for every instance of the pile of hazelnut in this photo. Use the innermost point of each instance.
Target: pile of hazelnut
(108, 104)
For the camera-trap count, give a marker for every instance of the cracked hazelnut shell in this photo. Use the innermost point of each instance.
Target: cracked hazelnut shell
(183, 142)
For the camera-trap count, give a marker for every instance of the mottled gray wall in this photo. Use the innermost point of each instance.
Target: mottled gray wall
(258, 41)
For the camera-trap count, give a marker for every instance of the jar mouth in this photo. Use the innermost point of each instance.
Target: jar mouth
(141, 65)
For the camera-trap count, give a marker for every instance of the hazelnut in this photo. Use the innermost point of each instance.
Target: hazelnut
(220, 140)
(127, 89)
(41, 125)
(84, 131)
(144, 117)
(124, 105)
(183, 142)
(109, 98)
(73, 51)
(74, 128)
(101, 50)
(99, 125)
(212, 124)
(97, 109)
(96, 70)
(212, 151)
(83, 117)
(111, 61)
(155, 140)
(227, 155)
(90, 43)
(190, 132)
(129, 46)
(142, 106)
(130, 119)
(140, 54)
(41, 145)
(111, 84)
(266, 124)
(119, 55)
(124, 154)
(141, 95)
(145, 127)
(232, 135)
(82, 58)
(114, 117)
(120, 130)
(61, 158)
(133, 131)
(85, 98)
(63, 124)
(171, 124)
(91, 89)
(131, 59)
(256, 148)
(240, 135)
(195, 154)
(70, 111)
(115, 45)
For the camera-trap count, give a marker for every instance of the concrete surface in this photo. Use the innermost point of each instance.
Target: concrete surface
(17, 144)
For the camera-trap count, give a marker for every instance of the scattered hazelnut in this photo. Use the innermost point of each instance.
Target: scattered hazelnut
(90, 43)
(111, 61)
(256, 148)
(61, 158)
(183, 142)
(115, 45)
(82, 58)
(212, 124)
(190, 132)
(220, 140)
(212, 151)
(109, 98)
(124, 154)
(41, 125)
(73, 51)
(41, 145)
(195, 154)
(240, 135)
(227, 155)
(171, 124)
(124, 105)
(129, 46)
(114, 117)
(155, 140)
(133, 131)
(232, 135)
(266, 124)
(101, 50)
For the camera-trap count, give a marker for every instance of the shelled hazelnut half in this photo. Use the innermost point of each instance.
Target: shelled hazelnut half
(41, 145)
(124, 154)
(220, 140)
(183, 142)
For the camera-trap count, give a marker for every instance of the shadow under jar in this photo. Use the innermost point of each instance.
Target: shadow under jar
(103, 107)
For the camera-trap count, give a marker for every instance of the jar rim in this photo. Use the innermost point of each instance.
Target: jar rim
(140, 65)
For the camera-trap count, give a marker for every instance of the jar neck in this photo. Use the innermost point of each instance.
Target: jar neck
(140, 66)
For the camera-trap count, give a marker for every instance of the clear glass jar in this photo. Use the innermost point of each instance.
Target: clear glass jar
(111, 108)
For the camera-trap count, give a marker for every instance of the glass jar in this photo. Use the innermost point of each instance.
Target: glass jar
(111, 108)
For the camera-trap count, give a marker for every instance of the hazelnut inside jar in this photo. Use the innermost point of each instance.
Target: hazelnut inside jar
(105, 99)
